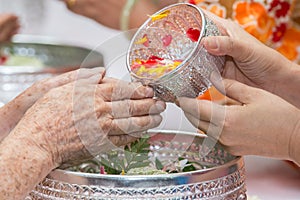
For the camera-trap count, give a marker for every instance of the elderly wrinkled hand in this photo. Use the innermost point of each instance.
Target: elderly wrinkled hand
(81, 118)
(73, 122)
(9, 26)
(13, 111)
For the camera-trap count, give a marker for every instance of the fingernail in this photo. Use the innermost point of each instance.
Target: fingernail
(149, 92)
(160, 105)
(157, 118)
(211, 43)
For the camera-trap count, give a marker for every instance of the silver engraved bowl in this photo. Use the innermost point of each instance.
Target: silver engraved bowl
(179, 22)
(222, 176)
(55, 56)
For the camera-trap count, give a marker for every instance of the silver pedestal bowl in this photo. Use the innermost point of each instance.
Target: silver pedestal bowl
(221, 177)
(174, 34)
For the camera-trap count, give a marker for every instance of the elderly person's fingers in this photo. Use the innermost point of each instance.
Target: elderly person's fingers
(93, 76)
(128, 108)
(82, 73)
(38, 89)
(121, 140)
(134, 124)
(113, 90)
(16, 108)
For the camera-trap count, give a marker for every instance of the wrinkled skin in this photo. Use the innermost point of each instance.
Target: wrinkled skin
(91, 112)
(72, 122)
(12, 112)
(9, 26)
(260, 123)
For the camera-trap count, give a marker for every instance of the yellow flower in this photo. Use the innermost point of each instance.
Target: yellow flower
(160, 15)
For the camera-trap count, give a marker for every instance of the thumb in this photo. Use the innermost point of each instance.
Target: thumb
(225, 45)
(98, 74)
(238, 91)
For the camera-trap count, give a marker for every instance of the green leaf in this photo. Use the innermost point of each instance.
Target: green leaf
(141, 158)
(158, 164)
(137, 165)
(135, 156)
(108, 166)
(189, 168)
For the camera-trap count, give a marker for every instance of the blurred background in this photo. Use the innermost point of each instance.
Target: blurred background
(51, 20)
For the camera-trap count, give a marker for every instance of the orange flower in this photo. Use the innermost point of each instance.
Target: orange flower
(254, 17)
(217, 9)
(290, 43)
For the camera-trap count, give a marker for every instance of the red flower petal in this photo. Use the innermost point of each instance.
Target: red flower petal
(281, 8)
(135, 66)
(283, 11)
(192, 2)
(155, 58)
(193, 34)
(167, 40)
(273, 4)
(279, 32)
(3, 59)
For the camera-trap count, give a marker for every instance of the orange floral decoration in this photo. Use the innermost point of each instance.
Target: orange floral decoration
(215, 7)
(269, 21)
(254, 18)
(290, 44)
